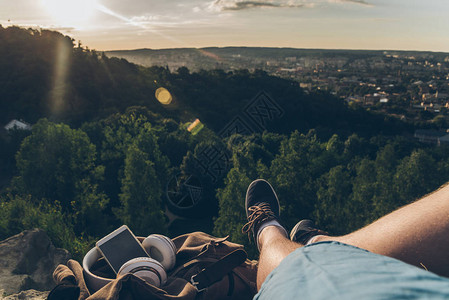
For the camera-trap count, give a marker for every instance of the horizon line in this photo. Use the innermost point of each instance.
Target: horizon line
(39, 27)
(279, 47)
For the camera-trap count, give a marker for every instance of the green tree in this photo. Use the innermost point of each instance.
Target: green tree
(251, 157)
(335, 144)
(384, 199)
(354, 146)
(232, 208)
(301, 161)
(56, 164)
(9, 145)
(334, 209)
(53, 160)
(142, 188)
(364, 190)
(415, 176)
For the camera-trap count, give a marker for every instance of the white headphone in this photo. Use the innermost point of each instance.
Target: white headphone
(162, 249)
(162, 252)
(146, 268)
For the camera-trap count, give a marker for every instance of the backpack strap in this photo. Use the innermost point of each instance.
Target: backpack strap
(250, 282)
(216, 271)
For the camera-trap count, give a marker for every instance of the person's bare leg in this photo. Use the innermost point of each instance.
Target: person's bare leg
(275, 246)
(417, 233)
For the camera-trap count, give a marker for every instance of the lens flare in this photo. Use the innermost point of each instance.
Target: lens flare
(58, 93)
(195, 127)
(163, 96)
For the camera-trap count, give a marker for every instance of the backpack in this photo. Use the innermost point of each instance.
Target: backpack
(206, 267)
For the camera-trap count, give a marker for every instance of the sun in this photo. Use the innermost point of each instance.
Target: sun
(70, 12)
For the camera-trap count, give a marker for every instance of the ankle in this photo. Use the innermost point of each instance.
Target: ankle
(270, 234)
(318, 238)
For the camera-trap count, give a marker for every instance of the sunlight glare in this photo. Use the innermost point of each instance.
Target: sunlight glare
(70, 12)
(163, 96)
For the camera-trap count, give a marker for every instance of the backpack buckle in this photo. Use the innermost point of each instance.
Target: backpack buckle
(196, 283)
(216, 271)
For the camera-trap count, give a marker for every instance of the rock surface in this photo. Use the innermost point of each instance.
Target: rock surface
(27, 261)
(26, 295)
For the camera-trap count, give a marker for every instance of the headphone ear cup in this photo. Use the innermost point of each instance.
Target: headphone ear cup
(162, 249)
(147, 269)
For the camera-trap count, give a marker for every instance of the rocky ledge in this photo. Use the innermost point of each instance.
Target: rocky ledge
(26, 295)
(27, 262)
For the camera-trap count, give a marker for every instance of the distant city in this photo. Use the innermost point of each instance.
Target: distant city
(409, 85)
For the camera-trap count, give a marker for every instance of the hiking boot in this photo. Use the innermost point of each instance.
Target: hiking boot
(262, 205)
(304, 230)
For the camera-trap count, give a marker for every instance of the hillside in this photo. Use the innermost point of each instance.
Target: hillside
(45, 75)
(48, 76)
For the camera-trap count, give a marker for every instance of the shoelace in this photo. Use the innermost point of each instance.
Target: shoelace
(258, 214)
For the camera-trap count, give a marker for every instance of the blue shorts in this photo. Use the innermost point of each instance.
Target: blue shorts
(332, 270)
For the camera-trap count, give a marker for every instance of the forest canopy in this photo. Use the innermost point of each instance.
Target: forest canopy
(80, 184)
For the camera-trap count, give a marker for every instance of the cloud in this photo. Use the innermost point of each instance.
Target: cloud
(234, 5)
(360, 2)
(229, 5)
(151, 22)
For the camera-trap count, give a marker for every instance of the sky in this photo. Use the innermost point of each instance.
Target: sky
(329, 24)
